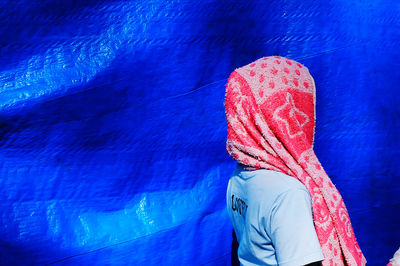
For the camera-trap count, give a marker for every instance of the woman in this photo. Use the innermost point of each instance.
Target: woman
(284, 208)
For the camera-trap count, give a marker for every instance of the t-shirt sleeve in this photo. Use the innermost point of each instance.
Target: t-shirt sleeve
(292, 229)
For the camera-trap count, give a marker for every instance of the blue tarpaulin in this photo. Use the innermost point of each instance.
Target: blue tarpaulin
(112, 124)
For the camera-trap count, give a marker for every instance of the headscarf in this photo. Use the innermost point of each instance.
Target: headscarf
(270, 113)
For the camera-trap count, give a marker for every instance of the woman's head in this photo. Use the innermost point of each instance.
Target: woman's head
(268, 103)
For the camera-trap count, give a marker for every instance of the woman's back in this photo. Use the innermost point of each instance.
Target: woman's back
(263, 206)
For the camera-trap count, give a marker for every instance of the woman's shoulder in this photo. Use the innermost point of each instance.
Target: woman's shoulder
(269, 180)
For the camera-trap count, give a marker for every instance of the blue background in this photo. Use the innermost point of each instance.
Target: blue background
(112, 125)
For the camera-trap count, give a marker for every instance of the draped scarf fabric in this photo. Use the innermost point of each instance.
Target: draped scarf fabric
(270, 114)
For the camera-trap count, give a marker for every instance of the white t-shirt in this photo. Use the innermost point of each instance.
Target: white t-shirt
(272, 217)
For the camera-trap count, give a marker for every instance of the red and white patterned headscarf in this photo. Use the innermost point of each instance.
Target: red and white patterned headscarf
(270, 113)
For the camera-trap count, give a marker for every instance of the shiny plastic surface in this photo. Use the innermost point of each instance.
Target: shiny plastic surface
(112, 126)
